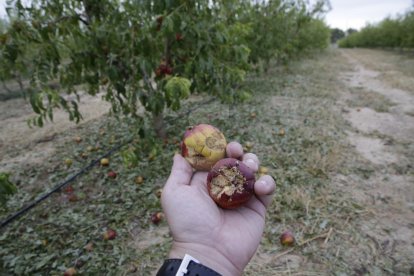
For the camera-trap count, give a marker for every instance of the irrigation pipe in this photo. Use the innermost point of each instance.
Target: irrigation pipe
(59, 186)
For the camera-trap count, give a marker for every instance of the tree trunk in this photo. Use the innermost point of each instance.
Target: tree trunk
(158, 123)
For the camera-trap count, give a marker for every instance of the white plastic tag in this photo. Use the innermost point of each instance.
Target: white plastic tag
(182, 270)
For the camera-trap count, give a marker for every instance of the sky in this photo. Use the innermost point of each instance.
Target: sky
(356, 14)
(346, 14)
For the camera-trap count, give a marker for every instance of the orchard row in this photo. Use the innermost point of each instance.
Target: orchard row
(395, 33)
(151, 53)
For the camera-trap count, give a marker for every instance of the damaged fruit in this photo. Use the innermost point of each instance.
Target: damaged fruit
(112, 174)
(287, 238)
(105, 162)
(110, 234)
(70, 272)
(230, 183)
(157, 217)
(203, 145)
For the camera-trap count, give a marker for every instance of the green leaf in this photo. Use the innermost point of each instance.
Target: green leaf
(178, 87)
(7, 188)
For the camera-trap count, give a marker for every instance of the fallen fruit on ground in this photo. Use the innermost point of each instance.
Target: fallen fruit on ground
(287, 238)
(203, 145)
(248, 145)
(112, 174)
(70, 272)
(104, 161)
(68, 189)
(158, 192)
(110, 234)
(73, 197)
(89, 247)
(68, 162)
(157, 217)
(230, 183)
(139, 179)
(263, 170)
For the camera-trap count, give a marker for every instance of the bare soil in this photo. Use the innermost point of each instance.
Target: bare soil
(387, 193)
(20, 145)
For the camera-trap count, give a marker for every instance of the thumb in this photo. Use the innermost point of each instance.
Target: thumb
(181, 172)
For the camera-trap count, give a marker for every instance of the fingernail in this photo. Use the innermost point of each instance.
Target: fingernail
(267, 187)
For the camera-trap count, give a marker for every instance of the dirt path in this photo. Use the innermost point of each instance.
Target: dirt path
(383, 138)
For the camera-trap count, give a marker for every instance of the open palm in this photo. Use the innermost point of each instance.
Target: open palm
(200, 227)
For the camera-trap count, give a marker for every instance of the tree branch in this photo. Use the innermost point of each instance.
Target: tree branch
(147, 80)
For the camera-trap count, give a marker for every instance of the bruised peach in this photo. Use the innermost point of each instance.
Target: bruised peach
(112, 174)
(203, 145)
(139, 179)
(105, 162)
(287, 238)
(70, 272)
(110, 234)
(230, 183)
(157, 217)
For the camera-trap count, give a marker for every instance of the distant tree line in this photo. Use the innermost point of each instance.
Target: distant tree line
(395, 33)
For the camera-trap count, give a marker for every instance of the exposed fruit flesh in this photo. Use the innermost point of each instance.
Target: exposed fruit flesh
(203, 146)
(230, 183)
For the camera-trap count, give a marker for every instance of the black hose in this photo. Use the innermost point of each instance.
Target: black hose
(59, 186)
(29, 206)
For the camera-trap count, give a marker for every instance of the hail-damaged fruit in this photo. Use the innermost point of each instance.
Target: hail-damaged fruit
(157, 217)
(287, 238)
(110, 234)
(70, 272)
(203, 145)
(230, 183)
(112, 174)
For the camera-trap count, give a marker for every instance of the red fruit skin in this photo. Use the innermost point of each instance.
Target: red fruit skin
(163, 68)
(287, 238)
(184, 149)
(70, 272)
(156, 217)
(110, 234)
(168, 70)
(237, 199)
(112, 174)
(69, 189)
(179, 37)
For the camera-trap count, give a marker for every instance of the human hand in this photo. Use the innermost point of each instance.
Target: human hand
(224, 240)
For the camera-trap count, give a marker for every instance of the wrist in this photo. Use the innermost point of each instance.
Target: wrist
(206, 255)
